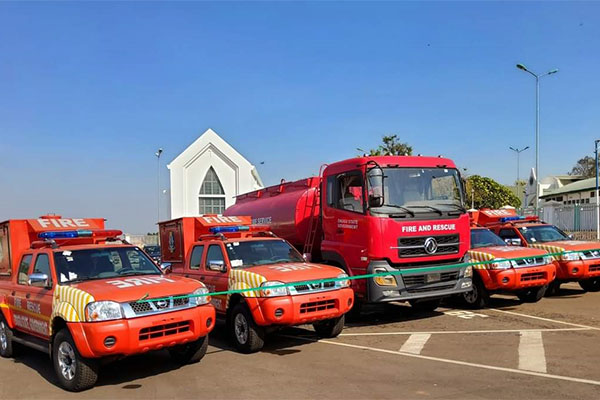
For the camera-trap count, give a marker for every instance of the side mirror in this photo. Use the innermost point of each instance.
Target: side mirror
(571, 237)
(39, 280)
(217, 265)
(376, 195)
(513, 242)
(166, 268)
(307, 257)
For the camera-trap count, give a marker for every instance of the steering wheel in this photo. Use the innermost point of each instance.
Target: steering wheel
(277, 259)
(123, 270)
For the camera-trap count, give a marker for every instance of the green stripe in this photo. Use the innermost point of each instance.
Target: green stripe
(400, 272)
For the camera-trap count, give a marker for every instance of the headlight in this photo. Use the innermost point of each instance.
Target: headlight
(200, 297)
(344, 283)
(505, 264)
(384, 280)
(570, 256)
(468, 272)
(267, 289)
(547, 259)
(103, 311)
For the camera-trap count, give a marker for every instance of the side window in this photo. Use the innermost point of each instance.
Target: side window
(508, 234)
(214, 254)
(196, 257)
(24, 269)
(331, 193)
(42, 266)
(348, 193)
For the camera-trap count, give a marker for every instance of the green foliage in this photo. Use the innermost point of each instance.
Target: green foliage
(490, 194)
(585, 167)
(392, 147)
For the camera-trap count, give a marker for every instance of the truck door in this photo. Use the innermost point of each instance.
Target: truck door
(216, 280)
(39, 298)
(17, 298)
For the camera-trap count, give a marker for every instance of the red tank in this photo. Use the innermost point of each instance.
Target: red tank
(286, 208)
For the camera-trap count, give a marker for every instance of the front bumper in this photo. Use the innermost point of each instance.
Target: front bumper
(578, 270)
(142, 334)
(420, 285)
(514, 279)
(301, 309)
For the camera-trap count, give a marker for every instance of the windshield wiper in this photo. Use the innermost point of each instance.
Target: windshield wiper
(136, 273)
(437, 210)
(458, 207)
(406, 210)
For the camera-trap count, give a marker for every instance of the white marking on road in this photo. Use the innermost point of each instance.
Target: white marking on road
(415, 343)
(455, 362)
(465, 314)
(545, 319)
(531, 352)
(465, 332)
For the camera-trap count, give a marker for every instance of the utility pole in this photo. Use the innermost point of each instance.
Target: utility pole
(597, 191)
(157, 154)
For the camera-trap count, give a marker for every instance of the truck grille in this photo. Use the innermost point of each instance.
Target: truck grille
(315, 306)
(590, 254)
(530, 262)
(415, 246)
(312, 287)
(594, 268)
(533, 276)
(155, 332)
(411, 280)
(429, 288)
(158, 305)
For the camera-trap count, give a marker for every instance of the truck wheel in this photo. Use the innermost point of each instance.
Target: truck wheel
(478, 297)
(590, 285)
(74, 372)
(246, 335)
(330, 328)
(532, 295)
(6, 343)
(425, 305)
(553, 289)
(190, 353)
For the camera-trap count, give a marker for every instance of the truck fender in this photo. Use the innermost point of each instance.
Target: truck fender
(334, 258)
(5, 310)
(69, 304)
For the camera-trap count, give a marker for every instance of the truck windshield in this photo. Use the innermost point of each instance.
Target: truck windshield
(542, 233)
(421, 190)
(82, 265)
(485, 238)
(261, 252)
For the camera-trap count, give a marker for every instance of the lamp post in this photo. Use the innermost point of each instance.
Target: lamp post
(597, 199)
(518, 151)
(537, 129)
(157, 154)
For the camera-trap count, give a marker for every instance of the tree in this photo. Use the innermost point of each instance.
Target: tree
(392, 147)
(488, 193)
(585, 167)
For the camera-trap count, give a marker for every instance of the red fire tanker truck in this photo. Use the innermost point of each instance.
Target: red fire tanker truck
(375, 215)
(70, 289)
(228, 254)
(579, 261)
(524, 272)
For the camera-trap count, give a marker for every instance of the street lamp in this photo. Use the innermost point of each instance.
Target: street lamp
(157, 154)
(537, 129)
(518, 151)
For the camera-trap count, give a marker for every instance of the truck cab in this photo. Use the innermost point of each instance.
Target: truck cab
(72, 289)
(576, 260)
(259, 281)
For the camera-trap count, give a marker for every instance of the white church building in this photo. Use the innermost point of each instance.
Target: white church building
(206, 177)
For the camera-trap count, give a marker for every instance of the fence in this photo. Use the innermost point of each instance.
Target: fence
(141, 240)
(571, 217)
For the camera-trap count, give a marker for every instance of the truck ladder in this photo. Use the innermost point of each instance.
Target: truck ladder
(313, 225)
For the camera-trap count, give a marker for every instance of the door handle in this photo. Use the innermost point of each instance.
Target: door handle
(28, 295)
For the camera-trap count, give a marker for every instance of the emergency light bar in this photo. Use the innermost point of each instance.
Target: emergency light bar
(79, 234)
(519, 218)
(228, 229)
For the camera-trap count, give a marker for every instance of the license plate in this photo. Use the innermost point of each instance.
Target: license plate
(435, 277)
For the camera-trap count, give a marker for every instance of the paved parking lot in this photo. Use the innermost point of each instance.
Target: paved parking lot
(544, 350)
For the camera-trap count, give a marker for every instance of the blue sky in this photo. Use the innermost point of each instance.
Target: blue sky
(90, 90)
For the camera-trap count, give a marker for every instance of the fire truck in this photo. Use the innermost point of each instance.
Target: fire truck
(71, 289)
(372, 215)
(579, 260)
(250, 270)
(524, 272)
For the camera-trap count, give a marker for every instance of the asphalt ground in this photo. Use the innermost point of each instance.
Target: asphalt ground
(546, 350)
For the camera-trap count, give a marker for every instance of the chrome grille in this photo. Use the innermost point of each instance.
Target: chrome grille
(311, 287)
(155, 306)
(590, 254)
(415, 246)
(530, 262)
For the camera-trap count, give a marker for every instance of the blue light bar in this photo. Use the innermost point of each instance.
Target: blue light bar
(506, 219)
(64, 234)
(228, 229)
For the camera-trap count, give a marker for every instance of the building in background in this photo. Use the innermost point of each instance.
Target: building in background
(549, 184)
(206, 177)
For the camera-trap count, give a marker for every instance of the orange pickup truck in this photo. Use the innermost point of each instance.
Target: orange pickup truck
(70, 288)
(228, 253)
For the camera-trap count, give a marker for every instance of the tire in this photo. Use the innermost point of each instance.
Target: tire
(478, 297)
(74, 372)
(245, 334)
(532, 295)
(425, 305)
(591, 284)
(6, 335)
(553, 289)
(190, 353)
(330, 328)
